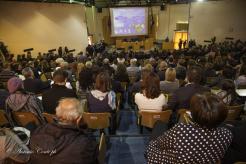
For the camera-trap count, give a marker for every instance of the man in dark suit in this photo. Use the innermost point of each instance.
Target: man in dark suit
(33, 85)
(51, 97)
(181, 97)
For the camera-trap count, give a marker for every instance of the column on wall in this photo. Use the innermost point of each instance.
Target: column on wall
(106, 29)
(153, 27)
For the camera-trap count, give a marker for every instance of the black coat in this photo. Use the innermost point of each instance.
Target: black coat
(237, 149)
(181, 97)
(86, 78)
(66, 144)
(35, 85)
(122, 77)
(51, 97)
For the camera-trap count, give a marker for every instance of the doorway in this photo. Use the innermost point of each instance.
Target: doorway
(180, 35)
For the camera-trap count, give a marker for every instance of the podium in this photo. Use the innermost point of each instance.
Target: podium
(147, 44)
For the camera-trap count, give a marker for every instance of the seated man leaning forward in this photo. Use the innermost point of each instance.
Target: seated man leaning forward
(63, 142)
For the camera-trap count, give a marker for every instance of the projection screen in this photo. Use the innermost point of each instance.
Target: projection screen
(129, 21)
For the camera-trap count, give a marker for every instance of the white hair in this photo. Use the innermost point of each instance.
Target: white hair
(88, 64)
(59, 60)
(64, 64)
(133, 62)
(69, 110)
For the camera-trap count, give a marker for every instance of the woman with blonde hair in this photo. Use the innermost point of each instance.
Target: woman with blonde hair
(171, 83)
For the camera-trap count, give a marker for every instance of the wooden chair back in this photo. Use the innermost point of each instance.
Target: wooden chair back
(85, 105)
(24, 118)
(49, 117)
(97, 120)
(234, 112)
(43, 77)
(119, 98)
(148, 118)
(102, 149)
(183, 116)
(3, 118)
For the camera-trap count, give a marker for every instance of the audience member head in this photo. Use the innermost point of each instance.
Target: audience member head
(144, 73)
(69, 111)
(27, 73)
(7, 66)
(191, 63)
(106, 61)
(64, 65)
(228, 72)
(133, 62)
(148, 67)
(201, 60)
(88, 64)
(121, 69)
(170, 74)
(163, 66)
(59, 61)
(151, 86)
(207, 110)
(103, 82)
(182, 62)
(15, 84)
(194, 74)
(180, 73)
(80, 67)
(60, 77)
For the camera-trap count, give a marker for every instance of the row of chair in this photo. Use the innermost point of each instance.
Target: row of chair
(102, 120)
(148, 118)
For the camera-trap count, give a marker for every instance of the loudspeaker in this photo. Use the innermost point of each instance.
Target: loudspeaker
(162, 7)
(99, 10)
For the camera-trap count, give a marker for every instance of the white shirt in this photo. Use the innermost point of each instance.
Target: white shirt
(145, 103)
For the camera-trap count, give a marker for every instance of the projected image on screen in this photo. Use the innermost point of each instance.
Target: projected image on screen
(129, 21)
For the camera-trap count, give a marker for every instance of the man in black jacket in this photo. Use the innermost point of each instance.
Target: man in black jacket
(181, 97)
(63, 142)
(51, 97)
